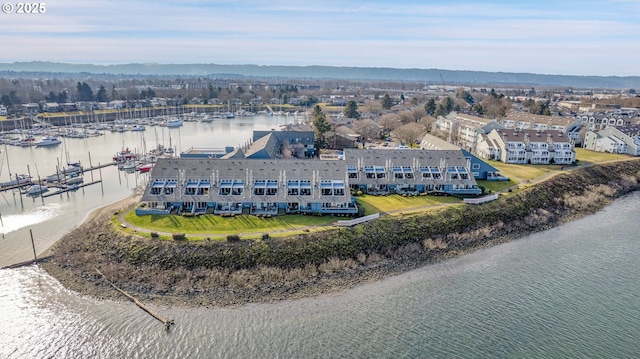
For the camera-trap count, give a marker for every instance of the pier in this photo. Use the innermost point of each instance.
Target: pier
(31, 182)
(69, 188)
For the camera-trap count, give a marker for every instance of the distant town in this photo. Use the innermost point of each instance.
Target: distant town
(483, 120)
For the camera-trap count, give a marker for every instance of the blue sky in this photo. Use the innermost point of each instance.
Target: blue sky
(538, 36)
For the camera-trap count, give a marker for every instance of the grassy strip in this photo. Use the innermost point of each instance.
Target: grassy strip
(213, 224)
(378, 204)
(584, 155)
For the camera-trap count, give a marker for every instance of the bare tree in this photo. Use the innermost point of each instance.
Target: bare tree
(427, 122)
(366, 128)
(409, 133)
(418, 113)
(372, 109)
(389, 122)
(406, 117)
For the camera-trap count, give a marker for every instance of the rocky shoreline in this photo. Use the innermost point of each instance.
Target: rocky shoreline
(221, 274)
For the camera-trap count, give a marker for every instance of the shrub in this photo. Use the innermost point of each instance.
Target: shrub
(265, 236)
(233, 238)
(179, 237)
(154, 235)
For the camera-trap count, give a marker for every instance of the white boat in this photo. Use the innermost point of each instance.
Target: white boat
(137, 128)
(129, 165)
(207, 118)
(27, 142)
(37, 189)
(174, 122)
(17, 180)
(74, 169)
(48, 141)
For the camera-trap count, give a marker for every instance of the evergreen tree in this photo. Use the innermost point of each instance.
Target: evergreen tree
(430, 107)
(114, 92)
(62, 97)
(387, 103)
(321, 127)
(101, 95)
(351, 110)
(84, 92)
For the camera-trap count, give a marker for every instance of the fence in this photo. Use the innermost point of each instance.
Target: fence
(353, 222)
(480, 200)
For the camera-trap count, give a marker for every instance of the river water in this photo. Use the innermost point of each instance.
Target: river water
(569, 292)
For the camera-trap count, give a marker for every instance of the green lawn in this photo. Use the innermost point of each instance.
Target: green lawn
(377, 204)
(597, 157)
(212, 224)
(519, 173)
(496, 186)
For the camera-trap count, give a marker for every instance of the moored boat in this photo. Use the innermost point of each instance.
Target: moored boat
(48, 141)
(37, 189)
(72, 170)
(145, 168)
(17, 180)
(124, 155)
(173, 122)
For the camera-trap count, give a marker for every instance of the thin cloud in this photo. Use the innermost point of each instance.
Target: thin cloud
(571, 37)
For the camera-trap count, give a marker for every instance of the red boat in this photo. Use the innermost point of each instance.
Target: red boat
(124, 155)
(145, 168)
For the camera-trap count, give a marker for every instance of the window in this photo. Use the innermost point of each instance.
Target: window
(369, 172)
(305, 188)
(352, 171)
(475, 166)
(272, 187)
(229, 187)
(332, 188)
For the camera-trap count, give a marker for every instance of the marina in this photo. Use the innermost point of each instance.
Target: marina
(55, 212)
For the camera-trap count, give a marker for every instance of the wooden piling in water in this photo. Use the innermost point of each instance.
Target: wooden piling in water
(167, 323)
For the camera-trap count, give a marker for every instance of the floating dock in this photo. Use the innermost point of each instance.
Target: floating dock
(70, 188)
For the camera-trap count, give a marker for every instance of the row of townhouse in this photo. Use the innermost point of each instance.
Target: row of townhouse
(516, 138)
(527, 147)
(570, 126)
(274, 187)
(600, 120)
(621, 139)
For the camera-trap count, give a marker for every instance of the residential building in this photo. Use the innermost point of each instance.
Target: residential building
(570, 126)
(479, 168)
(534, 147)
(384, 171)
(51, 107)
(623, 139)
(3, 111)
(461, 129)
(596, 121)
(259, 187)
(275, 187)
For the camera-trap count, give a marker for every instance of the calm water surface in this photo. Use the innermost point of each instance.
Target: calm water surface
(52, 218)
(570, 292)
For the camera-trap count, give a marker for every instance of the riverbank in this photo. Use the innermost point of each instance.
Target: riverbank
(217, 274)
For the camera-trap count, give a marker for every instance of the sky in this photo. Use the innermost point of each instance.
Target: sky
(536, 36)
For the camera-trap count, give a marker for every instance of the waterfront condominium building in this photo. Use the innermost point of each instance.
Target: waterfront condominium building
(283, 186)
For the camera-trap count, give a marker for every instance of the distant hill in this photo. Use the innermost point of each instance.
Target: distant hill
(333, 72)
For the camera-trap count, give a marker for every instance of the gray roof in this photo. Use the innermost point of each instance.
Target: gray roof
(512, 135)
(247, 170)
(430, 142)
(389, 158)
(266, 143)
